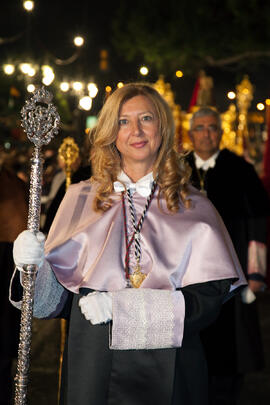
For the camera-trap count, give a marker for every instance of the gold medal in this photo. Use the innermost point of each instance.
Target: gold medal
(137, 277)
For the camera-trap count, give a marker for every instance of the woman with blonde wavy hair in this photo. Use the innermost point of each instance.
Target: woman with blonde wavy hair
(106, 161)
(138, 261)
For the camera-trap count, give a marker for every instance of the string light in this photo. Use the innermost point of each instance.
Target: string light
(179, 73)
(93, 90)
(231, 95)
(85, 103)
(9, 69)
(48, 75)
(260, 106)
(47, 80)
(77, 86)
(47, 70)
(78, 40)
(28, 5)
(30, 88)
(24, 67)
(120, 84)
(144, 70)
(64, 86)
(31, 71)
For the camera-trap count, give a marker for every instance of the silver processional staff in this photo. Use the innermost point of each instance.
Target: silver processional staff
(40, 121)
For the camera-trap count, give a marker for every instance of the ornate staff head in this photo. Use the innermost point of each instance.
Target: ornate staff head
(40, 118)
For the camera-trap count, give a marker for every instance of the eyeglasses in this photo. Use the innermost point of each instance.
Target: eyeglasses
(202, 128)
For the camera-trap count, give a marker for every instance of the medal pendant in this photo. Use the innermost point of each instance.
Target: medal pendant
(137, 277)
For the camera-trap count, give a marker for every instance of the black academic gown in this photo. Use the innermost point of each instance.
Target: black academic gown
(233, 343)
(94, 374)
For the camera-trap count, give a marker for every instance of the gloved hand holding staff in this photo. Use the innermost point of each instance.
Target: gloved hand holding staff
(40, 121)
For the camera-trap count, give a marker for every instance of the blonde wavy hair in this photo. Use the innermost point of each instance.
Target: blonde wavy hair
(170, 169)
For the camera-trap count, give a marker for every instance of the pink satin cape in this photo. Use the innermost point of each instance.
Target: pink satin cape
(87, 249)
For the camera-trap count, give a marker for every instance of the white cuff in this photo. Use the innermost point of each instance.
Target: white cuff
(147, 319)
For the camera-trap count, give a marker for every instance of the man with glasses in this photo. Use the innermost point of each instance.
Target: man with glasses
(233, 343)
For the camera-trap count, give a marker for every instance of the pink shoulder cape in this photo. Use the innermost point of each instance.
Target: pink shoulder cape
(87, 249)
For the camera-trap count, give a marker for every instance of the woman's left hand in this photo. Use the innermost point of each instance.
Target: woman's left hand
(97, 307)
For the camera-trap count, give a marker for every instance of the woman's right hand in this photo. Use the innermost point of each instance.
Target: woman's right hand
(28, 248)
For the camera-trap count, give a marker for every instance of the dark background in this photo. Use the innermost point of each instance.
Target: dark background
(163, 35)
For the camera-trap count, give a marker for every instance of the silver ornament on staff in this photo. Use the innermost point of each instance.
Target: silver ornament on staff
(40, 121)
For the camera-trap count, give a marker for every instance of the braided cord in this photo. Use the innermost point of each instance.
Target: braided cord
(137, 228)
(137, 232)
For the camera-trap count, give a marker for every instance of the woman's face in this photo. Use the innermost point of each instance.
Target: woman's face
(138, 138)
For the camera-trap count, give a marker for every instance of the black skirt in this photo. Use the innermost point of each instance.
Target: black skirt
(95, 375)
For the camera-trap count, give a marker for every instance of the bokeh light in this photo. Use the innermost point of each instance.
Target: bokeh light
(144, 70)
(93, 90)
(260, 106)
(64, 86)
(85, 103)
(179, 73)
(77, 86)
(9, 69)
(78, 40)
(231, 95)
(28, 5)
(30, 88)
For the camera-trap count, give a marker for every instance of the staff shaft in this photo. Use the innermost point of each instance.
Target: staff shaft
(28, 282)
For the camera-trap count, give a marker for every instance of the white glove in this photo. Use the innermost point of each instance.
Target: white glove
(97, 307)
(247, 295)
(28, 248)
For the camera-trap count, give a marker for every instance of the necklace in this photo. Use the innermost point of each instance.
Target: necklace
(136, 278)
(202, 180)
